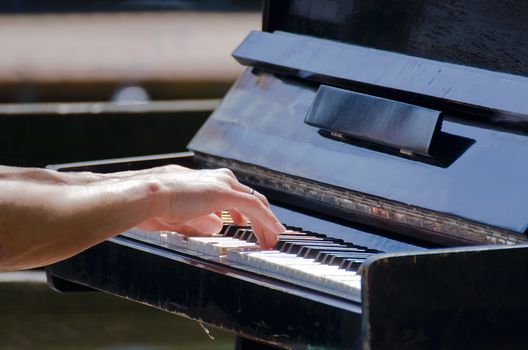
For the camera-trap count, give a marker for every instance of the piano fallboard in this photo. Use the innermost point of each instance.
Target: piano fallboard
(476, 199)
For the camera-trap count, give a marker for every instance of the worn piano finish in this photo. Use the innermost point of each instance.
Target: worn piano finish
(378, 185)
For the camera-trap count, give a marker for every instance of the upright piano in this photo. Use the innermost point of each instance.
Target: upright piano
(391, 139)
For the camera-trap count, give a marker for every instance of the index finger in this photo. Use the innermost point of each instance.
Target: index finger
(265, 224)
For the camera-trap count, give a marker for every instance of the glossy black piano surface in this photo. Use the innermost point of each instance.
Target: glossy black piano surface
(381, 207)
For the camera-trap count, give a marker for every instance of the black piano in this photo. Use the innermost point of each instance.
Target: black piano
(391, 139)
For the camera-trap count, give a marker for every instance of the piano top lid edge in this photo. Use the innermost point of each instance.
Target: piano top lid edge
(255, 36)
(449, 87)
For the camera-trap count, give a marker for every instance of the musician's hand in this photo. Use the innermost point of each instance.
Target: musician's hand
(189, 199)
(47, 216)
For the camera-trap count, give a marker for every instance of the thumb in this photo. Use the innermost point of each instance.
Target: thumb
(201, 226)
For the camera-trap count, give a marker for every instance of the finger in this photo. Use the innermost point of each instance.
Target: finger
(261, 216)
(202, 226)
(190, 231)
(246, 189)
(155, 224)
(237, 217)
(266, 238)
(219, 214)
(252, 207)
(206, 225)
(236, 185)
(228, 172)
(262, 198)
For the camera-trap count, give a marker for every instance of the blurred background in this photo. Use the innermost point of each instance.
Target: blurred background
(86, 80)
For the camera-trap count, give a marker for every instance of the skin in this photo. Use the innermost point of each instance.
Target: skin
(47, 216)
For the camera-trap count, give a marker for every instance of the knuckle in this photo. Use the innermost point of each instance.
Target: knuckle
(258, 203)
(172, 167)
(227, 179)
(228, 172)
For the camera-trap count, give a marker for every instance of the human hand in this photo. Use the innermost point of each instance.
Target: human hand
(190, 199)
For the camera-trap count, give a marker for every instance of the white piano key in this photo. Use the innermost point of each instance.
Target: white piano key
(221, 248)
(177, 240)
(205, 244)
(291, 267)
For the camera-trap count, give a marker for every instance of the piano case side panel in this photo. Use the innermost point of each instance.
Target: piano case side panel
(448, 299)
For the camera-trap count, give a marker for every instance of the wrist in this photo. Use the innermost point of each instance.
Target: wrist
(155, 196)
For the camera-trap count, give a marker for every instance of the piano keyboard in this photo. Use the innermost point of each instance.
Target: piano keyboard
(301, 257)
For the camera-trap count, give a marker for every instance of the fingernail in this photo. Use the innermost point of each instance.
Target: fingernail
(280, 228)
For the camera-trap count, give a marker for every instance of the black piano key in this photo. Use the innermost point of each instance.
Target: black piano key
(315, 240)
(313, 251)
(328, 258)
(323, 256)
(242, 233)
(293, 247)
(300, 230)
(351, 264)
(230, 229)
(245, 236)
(293, 233)
(293, 228)
(282, 242)
(307, 248)
(338, 260)
(285, 246)
(252, 238)
(234, 229)
(328, 239)
(305, 251)
(284, 237)
(318, 254)
(315, 234)
(367, 249)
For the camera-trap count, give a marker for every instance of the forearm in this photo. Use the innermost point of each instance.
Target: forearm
(48, 176)
(46, 216)
(73, 178)
(42, 223)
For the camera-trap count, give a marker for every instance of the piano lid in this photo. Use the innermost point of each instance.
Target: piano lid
(472, 188)
(484, 34)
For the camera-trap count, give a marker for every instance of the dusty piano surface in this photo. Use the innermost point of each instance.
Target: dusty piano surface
(406, 232)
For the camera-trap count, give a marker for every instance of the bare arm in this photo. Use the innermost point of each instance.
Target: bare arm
(43, 221)
(73, 178)
(45, 175)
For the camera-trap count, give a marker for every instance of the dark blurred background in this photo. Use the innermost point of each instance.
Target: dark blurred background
(85, 80)
(32, 316)
(36, 6)
(88, 80)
